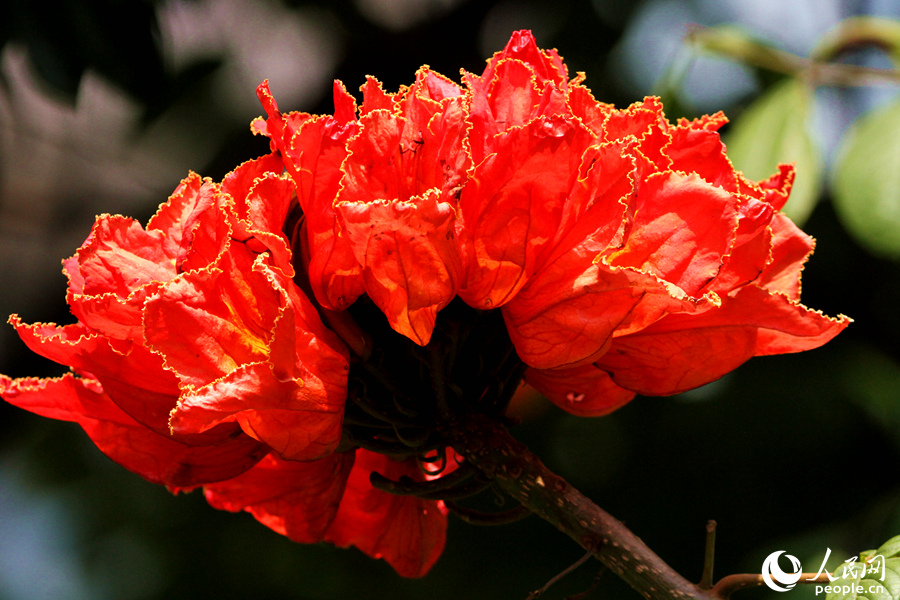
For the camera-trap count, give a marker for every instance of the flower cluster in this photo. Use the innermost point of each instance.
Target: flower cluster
(216, 347)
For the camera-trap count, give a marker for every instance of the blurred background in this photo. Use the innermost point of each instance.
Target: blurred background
(105, 105)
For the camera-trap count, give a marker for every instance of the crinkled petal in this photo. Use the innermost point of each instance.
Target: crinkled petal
(262, 213)
(790, 250)
(295, 417)
(410, 264)
(187, 209)
(583, 105)
(111, 275)
(546, 64)
(568, 314)
(751, 250)
(344, 103)
(206, 323)
(594, 212)
(242, 179)
(397, 157)
(131, 375)
(296, 499)
(701, 151)
(251, 352)
(584, 391)
(375, 98)
(508, 100)
(157, 458)
(684, 351)
(512, 205)
(120, 257)
(433, 86)
(645, 122)
(316, 152)
(681, 230)
(407, 532)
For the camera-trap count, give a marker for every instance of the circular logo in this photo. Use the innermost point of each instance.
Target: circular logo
(773, 575)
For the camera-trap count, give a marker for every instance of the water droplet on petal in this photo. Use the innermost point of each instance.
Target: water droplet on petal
(574, 397)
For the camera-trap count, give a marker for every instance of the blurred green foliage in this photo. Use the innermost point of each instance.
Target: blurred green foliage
(867, 181)
(776, 129)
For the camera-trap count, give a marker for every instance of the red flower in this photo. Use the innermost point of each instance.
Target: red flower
(379, 193)
(332, 500)
(195, 352)
(626, 253)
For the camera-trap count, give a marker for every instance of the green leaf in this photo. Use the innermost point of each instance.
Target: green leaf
(867, 181)
(879, 580)
(889, 549)
(775, 129)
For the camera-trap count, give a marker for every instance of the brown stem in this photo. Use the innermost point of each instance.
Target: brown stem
(536, 594)
(488, 446)
(748, 51)
(706, 580)
(732, 583)
(859, 32)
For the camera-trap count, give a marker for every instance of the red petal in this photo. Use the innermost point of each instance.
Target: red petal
(433, 86)
(179, 217)
(317, 151)
(790, 250)
(583, 391)
(547, 64)
(701, 151)
(512, 205)
(751, 250)
(507, 100)
(683, 351)
(296, 499)
(206, 323)
(777, 188)
(708, 122)
(407, 532)
(134, 377)
(594, 212)
(250, 350)
(681, 230)
(568, 315)
(120, 257)
(157, 458)
(645, 122)
(409, 259)
(296, 418)
(263, 211)
(344, 103)
(375, 98)
(583, 105)
(242, 179)
(110, 314)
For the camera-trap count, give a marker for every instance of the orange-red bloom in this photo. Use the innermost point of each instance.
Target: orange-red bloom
(332, 500)
(195, 354)
(198, 362)
(625, 254)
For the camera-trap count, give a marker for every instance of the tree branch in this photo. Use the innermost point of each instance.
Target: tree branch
(732, 583)
(517, 471)
(740, 47)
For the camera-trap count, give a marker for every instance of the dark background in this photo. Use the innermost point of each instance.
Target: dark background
(105, 105)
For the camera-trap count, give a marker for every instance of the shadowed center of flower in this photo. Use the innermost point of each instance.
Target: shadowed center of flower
(403, 397)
